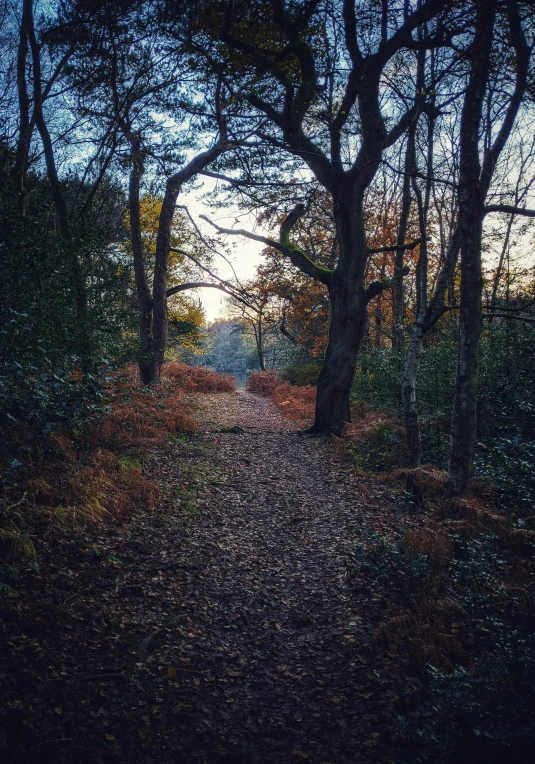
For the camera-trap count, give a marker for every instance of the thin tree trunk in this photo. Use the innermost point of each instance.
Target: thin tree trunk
(77, 275)
(408, 388)
(499, 269)
(411, 417)
(398, 305)
(144, 299)
(425, 320)
(163, 244)
(471, 214)
(21, 158)
(260, 343)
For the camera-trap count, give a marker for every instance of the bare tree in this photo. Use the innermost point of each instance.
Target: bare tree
(342, 142)
(474, 181)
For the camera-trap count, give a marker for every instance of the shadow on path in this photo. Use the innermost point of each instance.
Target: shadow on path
(226, 626)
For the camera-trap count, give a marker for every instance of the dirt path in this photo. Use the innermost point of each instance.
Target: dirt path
(240, 635)
(280, 637)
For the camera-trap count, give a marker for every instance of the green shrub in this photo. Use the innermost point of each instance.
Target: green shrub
(482, 709)
(508, 464)
(506, 402)
(303, 374)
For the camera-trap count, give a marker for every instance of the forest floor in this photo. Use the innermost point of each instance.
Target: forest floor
(226, 625)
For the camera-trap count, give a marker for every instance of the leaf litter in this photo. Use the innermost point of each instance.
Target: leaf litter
(226, 625)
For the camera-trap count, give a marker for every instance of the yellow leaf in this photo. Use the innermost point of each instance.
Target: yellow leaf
(58, 710)
(171, 672)
(109, 737)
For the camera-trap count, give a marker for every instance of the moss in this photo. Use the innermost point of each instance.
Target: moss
(285, 241)
(126, 462)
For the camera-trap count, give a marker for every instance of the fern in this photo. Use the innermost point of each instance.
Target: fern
(6, 589)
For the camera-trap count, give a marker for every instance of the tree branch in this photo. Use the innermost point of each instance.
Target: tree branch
(296, 255)
(420, 175)
(299, 143)
(522, 57)
(403, 36)
(203, 285)
(200, 161)
(376, 287)
(508, 315)
(403, 124)
(284, 331)
(510, 209)
(209, 272)
(398, 247)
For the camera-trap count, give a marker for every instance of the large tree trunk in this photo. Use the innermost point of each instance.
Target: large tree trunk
(471, 213)
(347, 313)
(346, 329)
(463, 426)
(160, 323)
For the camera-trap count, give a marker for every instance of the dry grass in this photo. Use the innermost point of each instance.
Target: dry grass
(88, 491)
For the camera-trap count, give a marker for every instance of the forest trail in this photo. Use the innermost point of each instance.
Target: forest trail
(280, 636)
(225, 626)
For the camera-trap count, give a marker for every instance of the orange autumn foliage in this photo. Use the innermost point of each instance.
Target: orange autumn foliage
(198, 379)
(139, 417)
(263, 382)
(296, 402)
(85, 475)
(87, 492)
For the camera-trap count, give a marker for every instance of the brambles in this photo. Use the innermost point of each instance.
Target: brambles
(377, 554)
(474, 709)
(460, 591)
(303, 374)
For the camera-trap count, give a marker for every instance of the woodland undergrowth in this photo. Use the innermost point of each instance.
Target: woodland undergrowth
(86, 474)
(296, 402)
(460, 577)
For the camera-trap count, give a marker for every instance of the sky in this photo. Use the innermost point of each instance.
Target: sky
(245, 255)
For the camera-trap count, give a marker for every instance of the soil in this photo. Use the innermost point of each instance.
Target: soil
(226, 625)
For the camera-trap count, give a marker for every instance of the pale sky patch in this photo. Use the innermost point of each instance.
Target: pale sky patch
(245, 254)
